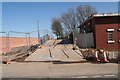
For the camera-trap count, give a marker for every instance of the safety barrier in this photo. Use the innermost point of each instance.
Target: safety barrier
(16, 44)
(95, 55)
(104, 58)
(99, 56)
(13, 39)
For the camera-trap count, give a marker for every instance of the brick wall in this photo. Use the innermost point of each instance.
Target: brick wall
(102, 36)
(16, 42)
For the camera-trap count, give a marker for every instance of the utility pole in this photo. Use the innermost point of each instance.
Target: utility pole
(38, 32)
(74, 39)
(85, 39)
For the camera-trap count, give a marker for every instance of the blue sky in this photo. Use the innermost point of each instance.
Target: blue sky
(23, 16)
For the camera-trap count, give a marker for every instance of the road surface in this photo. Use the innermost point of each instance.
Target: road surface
(59, 52)
(58, 61)
(55, 70)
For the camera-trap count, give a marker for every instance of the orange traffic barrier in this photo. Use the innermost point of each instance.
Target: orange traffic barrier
(104, 58)
(95, 55)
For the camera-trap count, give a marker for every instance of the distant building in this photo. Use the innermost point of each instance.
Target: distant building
(105, 29)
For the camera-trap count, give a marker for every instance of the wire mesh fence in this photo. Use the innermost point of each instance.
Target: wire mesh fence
(3, 43)
(44, 36)
(19, 43)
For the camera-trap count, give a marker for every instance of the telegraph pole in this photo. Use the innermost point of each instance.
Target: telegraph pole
(38, 31)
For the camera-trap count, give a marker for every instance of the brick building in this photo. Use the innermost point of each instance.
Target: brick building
(105, 29)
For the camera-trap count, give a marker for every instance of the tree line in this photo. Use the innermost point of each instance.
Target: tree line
(70, 20)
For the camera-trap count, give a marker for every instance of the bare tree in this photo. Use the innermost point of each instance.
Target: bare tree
(83, 12)
(69, 20)
(57, 27)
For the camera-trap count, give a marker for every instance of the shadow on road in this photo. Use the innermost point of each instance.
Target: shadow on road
(65, 42)
(54, 62)
(61, 62)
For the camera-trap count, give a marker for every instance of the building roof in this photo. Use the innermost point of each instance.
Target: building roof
(106, 14)
(100, 15)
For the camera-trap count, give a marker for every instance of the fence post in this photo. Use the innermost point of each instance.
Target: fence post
(29, 40)
(8, 46)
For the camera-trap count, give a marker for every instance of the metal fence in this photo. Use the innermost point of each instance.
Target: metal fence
(84, 40)
(18, 44)
(13, 40)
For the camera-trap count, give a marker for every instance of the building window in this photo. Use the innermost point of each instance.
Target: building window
(119, 35)
(110, 35)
